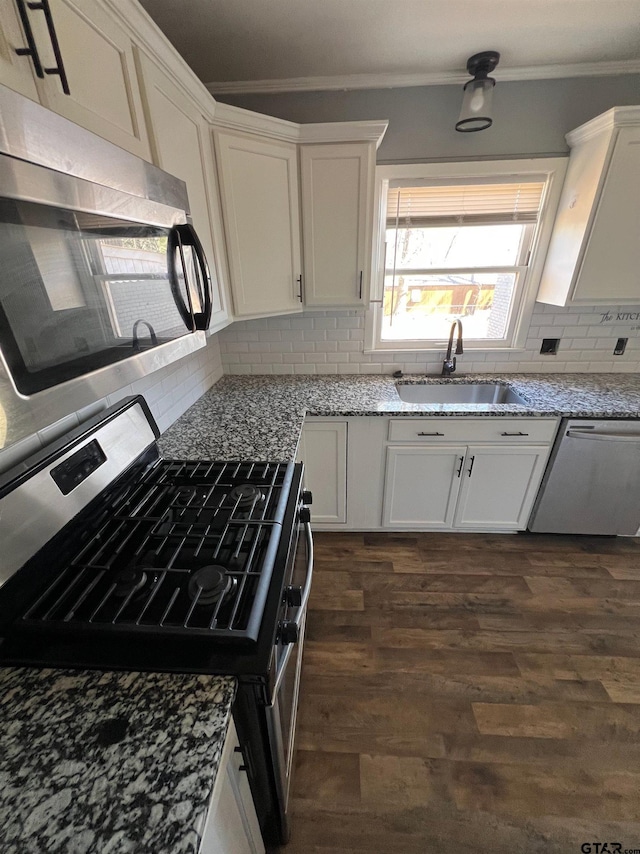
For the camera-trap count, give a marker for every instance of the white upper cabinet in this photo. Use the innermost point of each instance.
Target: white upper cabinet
(259, 190)
(181, 144)
(15, 70)
(95, 55)
(594, 253)
(337, 207)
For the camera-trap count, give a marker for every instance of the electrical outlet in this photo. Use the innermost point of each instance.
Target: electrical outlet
(549, 346)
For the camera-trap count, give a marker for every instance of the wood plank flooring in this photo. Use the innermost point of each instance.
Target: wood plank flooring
(469, 693)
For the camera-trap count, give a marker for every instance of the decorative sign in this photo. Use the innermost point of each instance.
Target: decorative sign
(621, 317)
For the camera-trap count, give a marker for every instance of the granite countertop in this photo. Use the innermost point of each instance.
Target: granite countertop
(260, 417)
(108, 762)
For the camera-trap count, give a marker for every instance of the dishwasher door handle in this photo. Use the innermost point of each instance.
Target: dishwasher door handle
(574, 433)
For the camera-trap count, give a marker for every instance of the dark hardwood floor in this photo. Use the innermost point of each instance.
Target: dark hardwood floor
(469, 693)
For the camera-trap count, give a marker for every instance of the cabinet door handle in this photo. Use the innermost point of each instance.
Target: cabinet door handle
(360, 288)
(32, 50)
(43, 6)
(471, 466)
(243, 767)
(519, 433)
(429, 434)
(299, 281)
(459, 472)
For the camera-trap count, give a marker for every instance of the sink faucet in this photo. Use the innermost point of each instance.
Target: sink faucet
(154, 338)
(449, 364)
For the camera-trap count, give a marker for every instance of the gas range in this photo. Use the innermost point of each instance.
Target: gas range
(188, 549)
(115, 558)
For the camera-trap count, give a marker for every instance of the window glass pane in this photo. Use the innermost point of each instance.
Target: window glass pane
(463, 246)
(424, 307)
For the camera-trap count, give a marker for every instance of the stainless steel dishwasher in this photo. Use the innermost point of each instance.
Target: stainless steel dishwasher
(592, 482)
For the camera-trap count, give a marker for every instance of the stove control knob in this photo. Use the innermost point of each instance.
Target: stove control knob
(307, 497)
(289, 632)
(305, 514)
(293, 596)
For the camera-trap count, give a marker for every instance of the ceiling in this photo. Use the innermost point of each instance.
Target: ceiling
(287, 45)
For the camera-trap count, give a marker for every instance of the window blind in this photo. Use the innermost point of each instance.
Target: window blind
(463, 204)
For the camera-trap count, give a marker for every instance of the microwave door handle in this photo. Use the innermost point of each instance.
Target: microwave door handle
(174, 248)
(189, 237)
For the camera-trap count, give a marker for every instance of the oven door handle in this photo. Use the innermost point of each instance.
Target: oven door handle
(307, 584)
(302, 607)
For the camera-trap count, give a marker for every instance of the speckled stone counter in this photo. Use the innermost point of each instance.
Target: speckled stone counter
(108, 762)
(260, 417)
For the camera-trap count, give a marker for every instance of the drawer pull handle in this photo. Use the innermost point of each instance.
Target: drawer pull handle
(519, 433)
(429, 434)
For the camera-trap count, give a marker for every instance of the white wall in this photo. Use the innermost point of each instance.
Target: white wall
(332, 342)
(169, 393)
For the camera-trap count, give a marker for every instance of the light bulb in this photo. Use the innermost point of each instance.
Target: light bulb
(477, 99)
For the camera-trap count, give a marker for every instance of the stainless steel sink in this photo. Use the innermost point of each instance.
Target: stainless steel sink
(458, 393)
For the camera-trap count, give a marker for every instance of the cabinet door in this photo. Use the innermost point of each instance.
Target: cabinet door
(259, 187)
(181, 145)
(499, 486)
(324, 454)
(337, 202)
(98, 59)
(609, 271)
(421, 486)
(231, 825)
(15, 71)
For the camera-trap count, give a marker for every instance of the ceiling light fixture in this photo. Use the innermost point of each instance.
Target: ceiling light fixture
(478, 93)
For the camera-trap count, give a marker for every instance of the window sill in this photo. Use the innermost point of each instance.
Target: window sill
(440, 348)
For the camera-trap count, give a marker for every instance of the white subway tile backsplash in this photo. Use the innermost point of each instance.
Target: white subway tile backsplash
(336, 338)
(326, 323)
(59, 428)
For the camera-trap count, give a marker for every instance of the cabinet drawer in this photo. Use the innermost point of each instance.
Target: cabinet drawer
(487, 429)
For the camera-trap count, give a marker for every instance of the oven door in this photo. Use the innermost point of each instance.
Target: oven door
(281, 712)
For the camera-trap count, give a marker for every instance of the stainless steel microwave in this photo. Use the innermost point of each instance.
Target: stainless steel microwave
(102, 277)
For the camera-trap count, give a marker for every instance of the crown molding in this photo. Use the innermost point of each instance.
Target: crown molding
(614, 118)
(246, 121)
(322, 132)
(401, 81)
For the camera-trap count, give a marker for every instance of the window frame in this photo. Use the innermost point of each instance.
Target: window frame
(550, 169)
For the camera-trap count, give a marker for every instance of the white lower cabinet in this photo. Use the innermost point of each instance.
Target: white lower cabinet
(498, 487)
(323, 450)
(474, 487)
(231, 825)
(421, 486)
(424, 474)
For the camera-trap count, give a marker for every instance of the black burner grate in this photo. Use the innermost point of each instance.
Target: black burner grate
(190, 548)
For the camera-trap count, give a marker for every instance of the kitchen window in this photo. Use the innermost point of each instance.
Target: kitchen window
(460, 242)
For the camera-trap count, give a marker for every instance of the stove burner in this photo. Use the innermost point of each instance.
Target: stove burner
(246, 494)
(129, 581)
(213, 583)
(184, 495)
